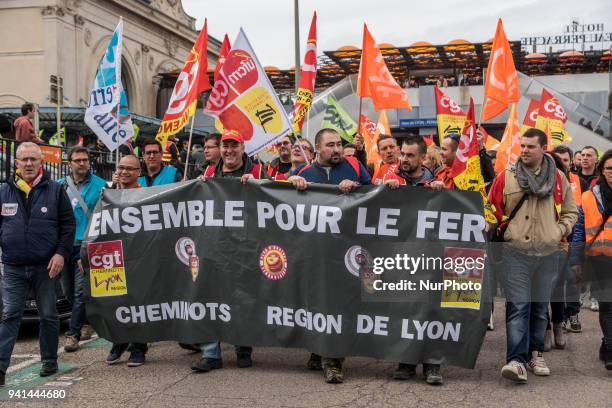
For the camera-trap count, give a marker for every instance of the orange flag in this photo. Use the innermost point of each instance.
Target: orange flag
(529, 121)
(501, 84)
(510, 147)
(375, 80)
(382, 128)
(369, 131)
(191, 82)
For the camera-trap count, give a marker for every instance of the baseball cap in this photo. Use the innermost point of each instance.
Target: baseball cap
(232, 135)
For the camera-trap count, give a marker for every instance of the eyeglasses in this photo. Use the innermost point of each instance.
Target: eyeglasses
(80, 161)
(152, 153)
(29, 159)
(305, 147)
(127, 168)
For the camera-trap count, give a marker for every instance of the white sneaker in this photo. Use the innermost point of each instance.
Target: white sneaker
(594, 305)
(537, 365)
(514, 371)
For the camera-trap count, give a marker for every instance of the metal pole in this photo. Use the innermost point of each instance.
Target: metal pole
(117, 138)
(296, 14)
(189, 148)
(58, 111)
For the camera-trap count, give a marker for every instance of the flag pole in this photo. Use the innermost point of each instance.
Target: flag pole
(117, 137)
(296, 16)
(189, 147)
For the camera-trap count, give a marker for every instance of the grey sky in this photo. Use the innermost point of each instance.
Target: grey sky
(269, 23)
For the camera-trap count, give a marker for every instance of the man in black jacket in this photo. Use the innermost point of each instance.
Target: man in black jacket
(37, 230)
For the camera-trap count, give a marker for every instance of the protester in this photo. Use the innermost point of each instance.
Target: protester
(234, 163)
(565, 306)
(297, 155)
(171, 155)
(588, 163)
(537, 200)
(24, 130)
(330, 167)
(281, 164)
(349, 150)
(36, 211)
(588, 177)
(447, 152)
(576, 162)
(156, 173)
(389, 152)
(433, 160)
(126, 178)
(411, 170)
(360, 152)
(212, 154)
(592, 238)
(83, 189)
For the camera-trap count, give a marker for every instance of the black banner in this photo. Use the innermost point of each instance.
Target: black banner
(397, 275)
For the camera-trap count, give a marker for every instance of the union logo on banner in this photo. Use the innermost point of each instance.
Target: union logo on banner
(244, 100)
(106, 269)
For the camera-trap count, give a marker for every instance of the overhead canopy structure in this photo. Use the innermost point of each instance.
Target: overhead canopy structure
(424, 58)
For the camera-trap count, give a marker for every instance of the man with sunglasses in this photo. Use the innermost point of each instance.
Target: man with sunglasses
(282, 164)
(37, 232)
(83, 189)
(156, 173)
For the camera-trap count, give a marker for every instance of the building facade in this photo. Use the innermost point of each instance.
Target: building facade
(67, 38)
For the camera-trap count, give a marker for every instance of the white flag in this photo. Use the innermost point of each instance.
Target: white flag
(244, 100)
(107, 114)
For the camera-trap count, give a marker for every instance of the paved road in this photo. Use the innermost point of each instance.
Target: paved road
(279, 379)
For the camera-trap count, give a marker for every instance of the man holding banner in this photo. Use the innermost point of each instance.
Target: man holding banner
(348, 173)
(234, 163)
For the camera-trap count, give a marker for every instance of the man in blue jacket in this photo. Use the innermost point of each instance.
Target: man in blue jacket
(156, 173)
(83, 190)
(36, 234)
(330, 167)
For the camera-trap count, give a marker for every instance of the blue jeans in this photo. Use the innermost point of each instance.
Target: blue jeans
(73, 282)
(528, 281)
(213, 350)
(16, 285)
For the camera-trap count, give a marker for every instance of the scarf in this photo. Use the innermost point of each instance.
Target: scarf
(540, 185)
(25, 186)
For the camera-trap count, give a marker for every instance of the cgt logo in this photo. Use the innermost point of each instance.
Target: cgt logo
(106, 261)
(552, 106)
(449, 104)
(106, 269)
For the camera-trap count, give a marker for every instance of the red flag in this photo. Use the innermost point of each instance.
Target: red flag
(307, 79)
(449, 115)
(501, 85)
(191, 82)
(225, 49)
(375, 80)
(466, 172)
(468, 143)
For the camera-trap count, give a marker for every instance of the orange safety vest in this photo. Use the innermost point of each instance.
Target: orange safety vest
(574, 181)
(602, 244)
(167, 155)
(383, 171)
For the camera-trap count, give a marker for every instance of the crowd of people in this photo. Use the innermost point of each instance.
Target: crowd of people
(553, 209)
